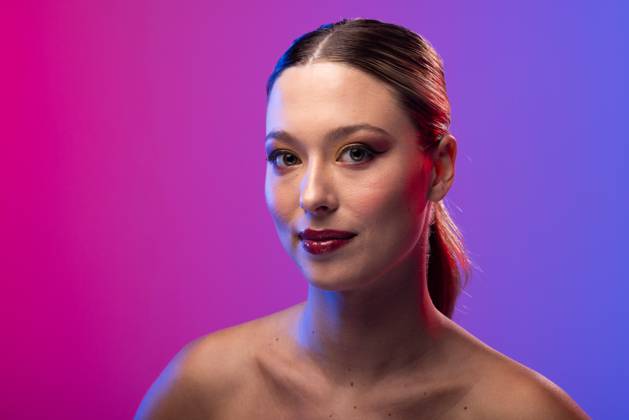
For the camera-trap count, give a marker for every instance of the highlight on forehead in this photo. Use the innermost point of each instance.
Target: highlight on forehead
(332, 135)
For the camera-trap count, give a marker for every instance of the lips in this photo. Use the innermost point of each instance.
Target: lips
(319, 242)
(325, 235)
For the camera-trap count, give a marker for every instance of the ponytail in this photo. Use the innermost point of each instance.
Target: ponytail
(445, 250)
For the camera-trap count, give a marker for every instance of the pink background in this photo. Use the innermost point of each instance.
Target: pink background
(132, 214)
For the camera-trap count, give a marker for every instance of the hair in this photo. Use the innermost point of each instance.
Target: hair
(407, 63)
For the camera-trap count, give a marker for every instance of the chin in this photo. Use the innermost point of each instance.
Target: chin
(333, 285)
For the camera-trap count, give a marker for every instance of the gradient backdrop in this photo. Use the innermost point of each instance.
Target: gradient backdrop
(132, 213)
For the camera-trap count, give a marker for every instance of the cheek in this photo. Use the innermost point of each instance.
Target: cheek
(385, 213)
(278, 202)
(390, 210)
(399, 196)
(279, 199)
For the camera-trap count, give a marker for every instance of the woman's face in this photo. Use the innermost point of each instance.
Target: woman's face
(365, 181)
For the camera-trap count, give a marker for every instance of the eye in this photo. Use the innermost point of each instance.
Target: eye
(357, 153)
(274, 155)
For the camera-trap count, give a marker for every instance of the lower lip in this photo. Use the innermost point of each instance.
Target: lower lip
(323, 247)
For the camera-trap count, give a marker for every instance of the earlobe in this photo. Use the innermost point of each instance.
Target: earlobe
(443, 159)
(436, 192)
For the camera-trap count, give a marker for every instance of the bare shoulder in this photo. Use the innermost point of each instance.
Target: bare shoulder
(502, 388)
(175, 391)
(513, 391)
(188, 385)
(206, 373)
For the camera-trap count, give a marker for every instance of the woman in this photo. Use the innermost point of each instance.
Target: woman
(359, 161)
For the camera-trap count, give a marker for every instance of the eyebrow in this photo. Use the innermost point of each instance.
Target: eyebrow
(332, 135)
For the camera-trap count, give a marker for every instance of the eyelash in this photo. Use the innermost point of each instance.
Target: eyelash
(370, 152)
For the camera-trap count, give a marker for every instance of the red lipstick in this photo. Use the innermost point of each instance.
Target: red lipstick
(324, 241)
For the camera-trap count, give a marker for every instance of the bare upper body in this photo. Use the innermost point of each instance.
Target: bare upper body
(255, 371)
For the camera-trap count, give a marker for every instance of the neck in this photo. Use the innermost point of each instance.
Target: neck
(372, 332)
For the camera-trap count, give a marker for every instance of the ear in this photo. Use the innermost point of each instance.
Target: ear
(443, 158)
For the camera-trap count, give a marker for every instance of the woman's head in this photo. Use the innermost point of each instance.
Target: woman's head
(381, 89)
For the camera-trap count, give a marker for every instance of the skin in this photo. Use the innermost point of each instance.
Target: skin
(365, 302)
(367, 343)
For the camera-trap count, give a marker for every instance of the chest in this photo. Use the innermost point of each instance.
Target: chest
(263, 400)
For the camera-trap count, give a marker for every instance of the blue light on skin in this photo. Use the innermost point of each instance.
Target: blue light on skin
(367, 307)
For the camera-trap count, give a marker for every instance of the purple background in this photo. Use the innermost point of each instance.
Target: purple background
(132, 213)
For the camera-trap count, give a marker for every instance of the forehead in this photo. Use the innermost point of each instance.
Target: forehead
(310, 99)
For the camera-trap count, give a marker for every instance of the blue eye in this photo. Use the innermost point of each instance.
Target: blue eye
(364, 154)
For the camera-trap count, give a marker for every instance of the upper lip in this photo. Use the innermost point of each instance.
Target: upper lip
(322, 235)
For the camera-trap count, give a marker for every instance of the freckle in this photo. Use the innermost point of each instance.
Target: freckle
(351, 384)
(277, 339)
(465, 408)
(424, 392)
(389, 414)
(313, 331)
(354, 407)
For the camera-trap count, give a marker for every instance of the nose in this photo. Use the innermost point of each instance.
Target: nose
(318, 195)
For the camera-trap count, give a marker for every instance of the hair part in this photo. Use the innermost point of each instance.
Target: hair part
(410, 66)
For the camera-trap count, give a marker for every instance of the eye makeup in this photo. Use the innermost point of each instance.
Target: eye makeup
(367, 150)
